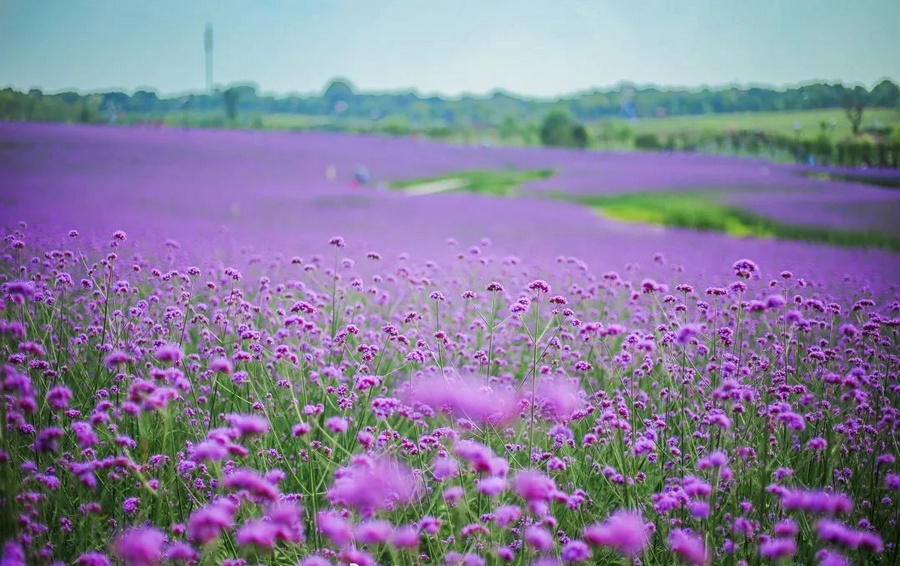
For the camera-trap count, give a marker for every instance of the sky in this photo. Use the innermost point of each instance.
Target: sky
(542, 48)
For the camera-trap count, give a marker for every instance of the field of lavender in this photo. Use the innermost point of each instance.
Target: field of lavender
(220, 349)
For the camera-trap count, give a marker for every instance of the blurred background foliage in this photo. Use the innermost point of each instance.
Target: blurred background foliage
(830, 124)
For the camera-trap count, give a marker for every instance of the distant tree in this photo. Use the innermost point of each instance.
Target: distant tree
(508, 128)
(886, 94)
(559, 130)
(579, 136)
(647, 142)
(143, 101)
(339, 90)
(854, 103)
(231, 96)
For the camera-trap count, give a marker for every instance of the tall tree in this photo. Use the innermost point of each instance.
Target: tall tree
(854, 103)
(231, 96)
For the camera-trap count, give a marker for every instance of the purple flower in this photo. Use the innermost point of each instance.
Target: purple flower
(818, 502)
(444, 468)
(287, 517)
(786, 528)
(116, 359)
(576, 551)
(405, 537)
(247, 425)
(699, 509)
(777, 548)
(623, 531)
(689, 546)
(453, 494)
(374, 532)
(892, 481)
(334, 527)
(169, 353)
(140, 547)
(93, 559)
(370, 484)
(837, 533)
(539, 286)
(258, 533)
(58, 398)
(505, 553)
(13, 554)
(221, 365)
(337, 424)
(207, 523)
(467, 396)
(182, 551)
(744, 268)
(130, 505)
(252, 482)
(686, 333)
(558, 398)
(429, 525)
(506, 514)
(533, 486)
(492, 486)
(539, 539)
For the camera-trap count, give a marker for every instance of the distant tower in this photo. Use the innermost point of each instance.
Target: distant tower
(208, 44)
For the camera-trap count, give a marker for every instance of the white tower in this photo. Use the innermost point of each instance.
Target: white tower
(208, 44)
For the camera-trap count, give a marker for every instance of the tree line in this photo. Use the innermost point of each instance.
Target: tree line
(341, 101)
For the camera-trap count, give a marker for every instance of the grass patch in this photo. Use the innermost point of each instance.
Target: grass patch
(703, 211)
(776, 121)
(878, 181)
(497, 182)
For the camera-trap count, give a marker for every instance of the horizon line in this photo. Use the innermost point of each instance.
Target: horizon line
(465, 94)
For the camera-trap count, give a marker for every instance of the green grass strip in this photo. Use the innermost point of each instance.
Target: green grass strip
(703, 211)
(884, 182)
(499, 182)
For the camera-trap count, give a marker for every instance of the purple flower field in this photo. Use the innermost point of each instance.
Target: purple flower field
(213, 354)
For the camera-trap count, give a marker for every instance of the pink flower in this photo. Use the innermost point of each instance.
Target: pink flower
(558, 398)
(252, 482)
(247, 425)
(334, 527)
(444, 468)
(465, 396)
(533, 486)
(492, 486)
(539, 539)
(689, 546)
(370, 484)
(91, 559)
(405, 537)
(576, 551)
(288, 519)
(207, 523)
(623, 531)
(818, 502)
(170, 353)
(336, 424)
(374, 532)
(258, 533)
(778, 548)
(221, 365)
(140, 547)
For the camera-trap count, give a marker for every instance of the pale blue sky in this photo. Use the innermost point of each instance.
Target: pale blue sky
(535, 47)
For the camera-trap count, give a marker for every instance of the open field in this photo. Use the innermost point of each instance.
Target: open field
(219, 349)
(774, 122)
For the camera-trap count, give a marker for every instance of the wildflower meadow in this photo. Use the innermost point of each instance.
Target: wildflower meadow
(541, 386)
